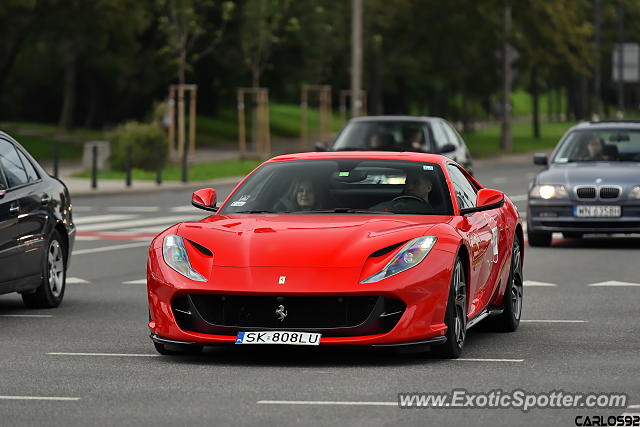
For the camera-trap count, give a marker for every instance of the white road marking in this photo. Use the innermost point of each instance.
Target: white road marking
(538, 284)
(518, 197)
(110, 248)
(76, 280)
(136, 282)
(38, 398)
(104, 354)
(140, 222)
(183, 208)
(613, 283)
(101, 218)
(633, 407)
(133, 208)
(324, 402)
(488, 360)
(27, 315)
(630, 414)
(553, 321)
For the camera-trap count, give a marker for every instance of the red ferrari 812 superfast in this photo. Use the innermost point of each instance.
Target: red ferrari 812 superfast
(343, 248)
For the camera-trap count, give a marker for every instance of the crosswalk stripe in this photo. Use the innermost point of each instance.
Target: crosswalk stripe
(140, 222)
(133, 208)
(76, 280)
(538, 284)
(135, 282)
(613, 283)
(182, 209)
(101, 218)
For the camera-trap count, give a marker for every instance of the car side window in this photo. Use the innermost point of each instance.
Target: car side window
(12, 165)
(465, 191)
(28, 167)
(439, 135)
(451, 134)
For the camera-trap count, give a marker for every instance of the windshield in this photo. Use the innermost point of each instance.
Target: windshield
(606, 145)
(385, 136)
(343, 186)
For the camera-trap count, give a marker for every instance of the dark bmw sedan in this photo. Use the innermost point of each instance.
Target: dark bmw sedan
(36, 228)
(590, 185)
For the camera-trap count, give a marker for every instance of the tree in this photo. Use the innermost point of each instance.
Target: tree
(183, 23)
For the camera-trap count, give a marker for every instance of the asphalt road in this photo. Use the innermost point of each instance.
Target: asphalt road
(90, 362)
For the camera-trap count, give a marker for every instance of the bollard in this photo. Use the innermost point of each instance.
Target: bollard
(94, 166)
(128, 165)
(56, 159)
(185, 165)
(158, 166)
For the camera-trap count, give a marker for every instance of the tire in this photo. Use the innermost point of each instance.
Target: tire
(54, 276)
(512, 301)
(455, 316)
(539, 238)
(572, 235)
(177, 349)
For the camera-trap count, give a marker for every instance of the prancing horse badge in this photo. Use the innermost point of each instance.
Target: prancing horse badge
(282, 280)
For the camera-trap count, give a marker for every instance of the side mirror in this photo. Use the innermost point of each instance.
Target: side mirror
(540, 159)
(319, 146)
(204, 199)
(447, 148)
(486, 200)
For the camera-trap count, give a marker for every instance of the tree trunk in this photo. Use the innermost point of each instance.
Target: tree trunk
(535, 97)
(69, 88)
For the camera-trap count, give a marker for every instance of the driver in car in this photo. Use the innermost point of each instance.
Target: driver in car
(414, 197)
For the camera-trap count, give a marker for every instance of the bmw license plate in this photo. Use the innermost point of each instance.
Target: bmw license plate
(278, 337)
(597, 211)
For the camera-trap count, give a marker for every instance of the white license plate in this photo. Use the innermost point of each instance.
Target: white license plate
(278, 337)
(598, 211)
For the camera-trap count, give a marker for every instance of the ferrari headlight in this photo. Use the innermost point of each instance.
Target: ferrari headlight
(635, 192)
(175, 255)
(548, 192)
(409, 256)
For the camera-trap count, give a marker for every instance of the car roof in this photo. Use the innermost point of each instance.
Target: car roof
(374, 155)
(608, 124)
(418, 119)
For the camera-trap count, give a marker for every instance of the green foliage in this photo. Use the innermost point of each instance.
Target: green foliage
(146, 140)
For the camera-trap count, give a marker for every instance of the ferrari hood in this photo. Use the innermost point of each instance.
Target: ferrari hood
(302, 240)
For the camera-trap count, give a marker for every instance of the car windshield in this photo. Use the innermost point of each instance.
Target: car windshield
(386, 136)
(343, 186)
(602, 145)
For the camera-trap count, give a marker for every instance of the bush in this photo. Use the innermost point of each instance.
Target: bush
(147, 142)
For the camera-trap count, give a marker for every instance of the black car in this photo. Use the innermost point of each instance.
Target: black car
(404, 133)
(591, 184)
(36, 228)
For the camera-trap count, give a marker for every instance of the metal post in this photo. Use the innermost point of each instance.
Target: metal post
(128, 165)
(242, 141)
(620, 58)
(56, 158)
(94, 166)
(185, 163)
(356, 57)
(596, 71)
(505, 141)
(158, 165)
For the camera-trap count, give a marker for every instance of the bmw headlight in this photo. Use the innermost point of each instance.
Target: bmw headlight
(175, 255)
(635, 192)
(547, 192)
(409, 256)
